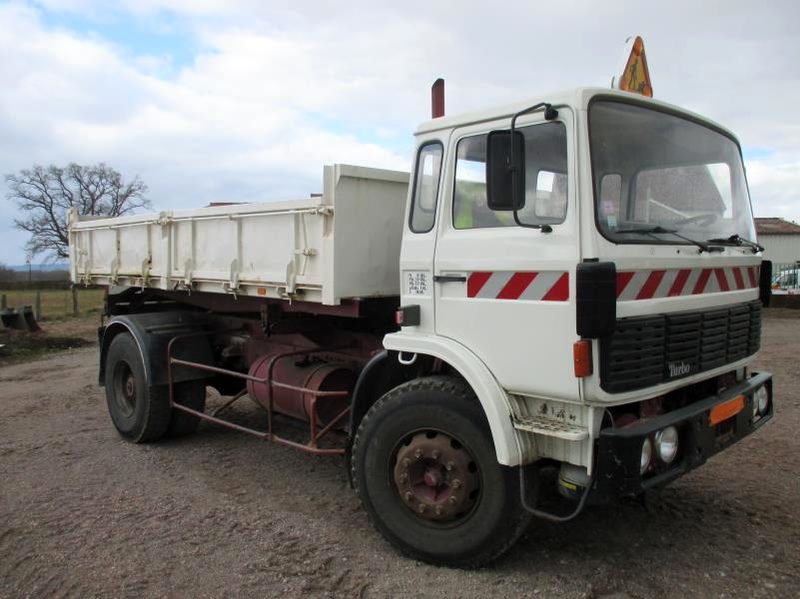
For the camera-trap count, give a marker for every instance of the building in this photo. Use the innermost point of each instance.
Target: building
(781, 239)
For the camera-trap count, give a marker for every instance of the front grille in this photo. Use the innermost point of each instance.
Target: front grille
(649, 350)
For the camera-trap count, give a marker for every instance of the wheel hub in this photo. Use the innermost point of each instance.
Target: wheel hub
(130, 388)
(436, 477)
(125, 388)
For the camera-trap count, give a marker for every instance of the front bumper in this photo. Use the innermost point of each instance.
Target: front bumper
(619, 449)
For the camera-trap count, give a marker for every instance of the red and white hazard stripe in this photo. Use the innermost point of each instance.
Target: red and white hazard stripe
(650, 284)
(546, 286)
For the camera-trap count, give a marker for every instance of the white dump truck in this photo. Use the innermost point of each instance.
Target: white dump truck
(563, 295)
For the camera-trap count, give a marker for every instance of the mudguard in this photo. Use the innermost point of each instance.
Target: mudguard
(490, 394)
(153, 332)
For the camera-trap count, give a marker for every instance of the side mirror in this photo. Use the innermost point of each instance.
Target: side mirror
(500, 172)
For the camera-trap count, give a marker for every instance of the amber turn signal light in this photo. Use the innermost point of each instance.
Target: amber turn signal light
(725, 410)
(582, 357)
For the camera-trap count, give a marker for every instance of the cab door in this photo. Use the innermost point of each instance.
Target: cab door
(504, 291)
(419, 233)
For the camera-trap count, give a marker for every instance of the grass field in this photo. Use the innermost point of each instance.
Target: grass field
(56, 303)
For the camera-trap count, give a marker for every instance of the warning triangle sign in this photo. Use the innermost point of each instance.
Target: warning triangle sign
(635, 76)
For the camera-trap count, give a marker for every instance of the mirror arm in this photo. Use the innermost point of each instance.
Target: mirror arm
(550, 113)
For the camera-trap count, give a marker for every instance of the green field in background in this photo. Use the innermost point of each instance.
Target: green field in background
(56, 303)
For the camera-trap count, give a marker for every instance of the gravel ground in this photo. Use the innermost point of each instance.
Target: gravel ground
(83, 513)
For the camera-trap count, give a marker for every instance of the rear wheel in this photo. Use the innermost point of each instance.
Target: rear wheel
(426, 471)
(139, 411)
(191, 394)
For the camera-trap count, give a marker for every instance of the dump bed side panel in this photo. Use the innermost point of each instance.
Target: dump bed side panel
(280, 249)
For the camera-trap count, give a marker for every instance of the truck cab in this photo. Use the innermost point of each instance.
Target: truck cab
(623, 287)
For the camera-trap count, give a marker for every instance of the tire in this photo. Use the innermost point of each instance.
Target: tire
(140, 412)
(191, 394)
(472, 511)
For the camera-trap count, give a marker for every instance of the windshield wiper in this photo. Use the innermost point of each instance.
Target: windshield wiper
(704, 247)
(739, 240)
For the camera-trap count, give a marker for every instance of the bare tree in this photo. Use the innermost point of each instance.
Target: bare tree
(45, 194)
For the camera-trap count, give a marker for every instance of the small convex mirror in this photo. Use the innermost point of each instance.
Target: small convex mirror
(500, 172)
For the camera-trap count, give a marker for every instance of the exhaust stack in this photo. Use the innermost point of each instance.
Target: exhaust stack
(437, 99)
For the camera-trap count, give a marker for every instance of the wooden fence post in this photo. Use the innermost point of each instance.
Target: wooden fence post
(75, 311)
(37, 306)
(3, 302)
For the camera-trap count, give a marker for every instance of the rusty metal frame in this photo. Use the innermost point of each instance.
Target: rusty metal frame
(315, 433)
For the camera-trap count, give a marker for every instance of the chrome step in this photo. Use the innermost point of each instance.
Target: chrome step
(551, 428)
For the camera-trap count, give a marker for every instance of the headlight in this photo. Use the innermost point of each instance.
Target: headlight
(667, 444)
(761, 400)
(647, 455)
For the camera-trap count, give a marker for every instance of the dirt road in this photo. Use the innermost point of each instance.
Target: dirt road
(83, 513)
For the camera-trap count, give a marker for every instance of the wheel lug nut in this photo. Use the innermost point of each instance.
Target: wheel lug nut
(438, 510)
(456, 483)
(452, 499)
(409, 496)
(406, 462)
(435, 454)
(421, 508)
(403, 477)
(449, 466)
(418, 453)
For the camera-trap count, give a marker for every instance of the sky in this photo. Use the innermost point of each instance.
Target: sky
(246, 100)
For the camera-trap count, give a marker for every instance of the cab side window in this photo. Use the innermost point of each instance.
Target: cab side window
(470, 209)
(426, 187)
(545, 180)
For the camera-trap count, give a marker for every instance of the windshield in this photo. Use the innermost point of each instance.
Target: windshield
(656, 174)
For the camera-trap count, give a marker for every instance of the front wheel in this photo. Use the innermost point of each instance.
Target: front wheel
(425, 469)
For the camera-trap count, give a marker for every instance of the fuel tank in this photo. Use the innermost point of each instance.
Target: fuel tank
(310, 375)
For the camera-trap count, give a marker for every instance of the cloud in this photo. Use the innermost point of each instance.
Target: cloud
(272, 91)
(249, 120)
(776, 184)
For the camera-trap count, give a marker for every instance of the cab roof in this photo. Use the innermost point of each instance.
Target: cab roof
(577, 98)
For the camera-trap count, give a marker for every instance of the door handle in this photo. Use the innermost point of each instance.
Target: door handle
(450, 278)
